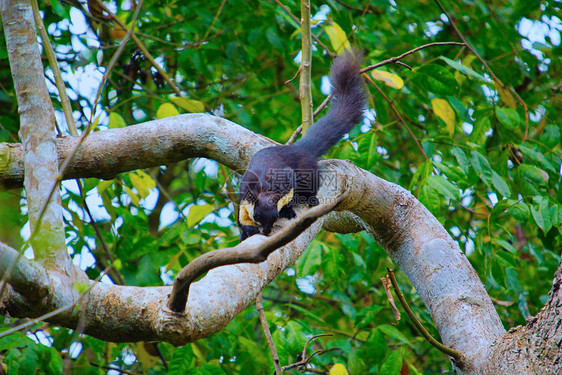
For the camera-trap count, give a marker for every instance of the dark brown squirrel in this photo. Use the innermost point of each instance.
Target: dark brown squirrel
(279, 177)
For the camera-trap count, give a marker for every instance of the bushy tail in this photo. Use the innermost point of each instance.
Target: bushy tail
(346, 110)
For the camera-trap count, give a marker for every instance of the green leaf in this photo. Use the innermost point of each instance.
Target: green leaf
(500, 185)
(444, 187)
(116, 121)
(520, 211)
(197, 213)
(392, 363)
(59, 9)
(393, 332)
(310, 261)
(190, 105)
(551, 135)
(480, 127)
(482, 166)
(14, 340)
(430, 199)
(504, 244)
(508, 117)
(541, 214)
(454, 173)
(376, 346)
(437, 79)
(366, 156)
(532, 180)
(182, 359)
(459, 154)
(166, 110)
(538, 157)
(421, 174)
(464, 69)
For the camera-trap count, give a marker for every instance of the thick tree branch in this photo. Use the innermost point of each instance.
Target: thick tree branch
(37, 132)
(107, 153)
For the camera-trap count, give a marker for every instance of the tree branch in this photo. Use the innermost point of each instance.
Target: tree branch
(37, 134)
(107, 153)
(245, 252)
(305, 89)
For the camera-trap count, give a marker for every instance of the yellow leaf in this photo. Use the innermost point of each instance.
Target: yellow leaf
(166, 110)
(190, 105)
(116, 121)
(337, 37)
(117, 264)
(142, 182)
(146, 358)
(198, 213)
(505, 95)
(104, 184)
(134, 198)
(389, 79)
(338, 369)
(444, 111)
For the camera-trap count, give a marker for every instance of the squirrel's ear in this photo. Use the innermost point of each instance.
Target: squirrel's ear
(246, 214)
(285, 200)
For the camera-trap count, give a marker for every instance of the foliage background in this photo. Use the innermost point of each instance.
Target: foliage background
(492, 175)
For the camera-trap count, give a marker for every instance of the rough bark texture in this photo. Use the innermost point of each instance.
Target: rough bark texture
(535, 348)
(37, 131)
(107, 153)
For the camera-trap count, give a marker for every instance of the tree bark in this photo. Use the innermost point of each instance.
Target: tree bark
(37, 131)
(415, 239)
(535, 348)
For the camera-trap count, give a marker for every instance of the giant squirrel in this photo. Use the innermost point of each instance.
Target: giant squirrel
(279, 177)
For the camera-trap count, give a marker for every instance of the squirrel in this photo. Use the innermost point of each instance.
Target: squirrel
(279, 177)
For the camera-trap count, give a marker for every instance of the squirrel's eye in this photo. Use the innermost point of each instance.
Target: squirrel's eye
(249, 197)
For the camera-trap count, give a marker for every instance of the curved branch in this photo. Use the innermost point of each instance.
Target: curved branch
(245, 252)
(107, 153)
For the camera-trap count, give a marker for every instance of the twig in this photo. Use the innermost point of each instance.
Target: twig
(330, 53)
(392, 60)
(494, 77)
(117, 278)
(244, 252)
(305, 89)
(144, 50)
(455, 354)
(294, 135)
(397, 115)
(214, 20)
(52, 58)
(267, 334)
(305, 358)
